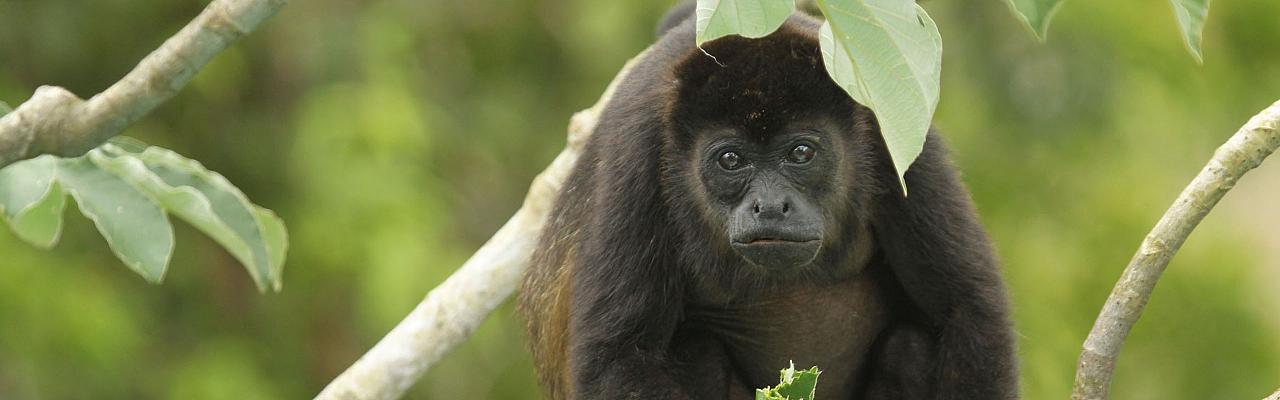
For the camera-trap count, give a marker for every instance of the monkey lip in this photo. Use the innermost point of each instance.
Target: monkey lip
(775, 253)
(769, 240)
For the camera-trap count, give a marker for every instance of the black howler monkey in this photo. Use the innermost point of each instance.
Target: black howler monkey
(730, 214)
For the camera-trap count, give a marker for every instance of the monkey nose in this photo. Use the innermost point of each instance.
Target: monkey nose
(767, 210)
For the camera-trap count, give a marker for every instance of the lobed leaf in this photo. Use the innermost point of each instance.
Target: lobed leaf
(747, 18)
(1191, 15)
(1035, 14)
(792, 385)
(887, 54)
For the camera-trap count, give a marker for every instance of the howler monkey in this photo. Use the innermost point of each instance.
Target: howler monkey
(735, 210)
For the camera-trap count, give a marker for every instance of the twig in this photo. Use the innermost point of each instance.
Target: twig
(453, 310)
(55, 121)
(1244, 151)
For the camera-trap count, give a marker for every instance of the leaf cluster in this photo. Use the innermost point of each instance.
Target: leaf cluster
(129, 190)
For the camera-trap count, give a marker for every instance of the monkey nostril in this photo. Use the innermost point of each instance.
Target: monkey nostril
(786, 207)
(756, 208)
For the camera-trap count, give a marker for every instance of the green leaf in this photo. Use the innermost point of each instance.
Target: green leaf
(4, 108)
(32, 201)
(792, 385)
(277, 239)
(887, 54)
(136, 229)
(203, 198)
(126, 188)
(1191, 15)
(1035, 14)
(747, 18)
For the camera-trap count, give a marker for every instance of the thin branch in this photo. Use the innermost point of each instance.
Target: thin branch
(453, 310)
(1244, 151)
(55, 121)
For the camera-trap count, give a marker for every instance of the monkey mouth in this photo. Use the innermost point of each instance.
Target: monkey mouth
(776, 253)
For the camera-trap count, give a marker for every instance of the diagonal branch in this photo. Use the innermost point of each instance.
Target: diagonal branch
(55, 121)
(453, 310)
(1244, 151)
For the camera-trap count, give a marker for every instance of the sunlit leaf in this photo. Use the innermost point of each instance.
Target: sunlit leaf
(747, 18)
(127, 188)
(1191, 15)
(887, 54)
(1035, 14)
(135, 227)
(31, 200)
(4, 108)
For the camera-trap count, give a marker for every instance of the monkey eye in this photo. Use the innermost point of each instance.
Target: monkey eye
(730, 160)
(801, 154)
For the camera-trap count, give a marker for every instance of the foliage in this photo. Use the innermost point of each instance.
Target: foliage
(396, 136)
(127, 188)
(887, 54)
(792, 385)
(749, 18)
(1035, 13)
(1190, 15)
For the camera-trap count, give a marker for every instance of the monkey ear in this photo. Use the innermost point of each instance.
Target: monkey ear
(932, 240)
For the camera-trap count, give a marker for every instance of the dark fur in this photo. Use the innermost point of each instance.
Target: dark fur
(634, 292)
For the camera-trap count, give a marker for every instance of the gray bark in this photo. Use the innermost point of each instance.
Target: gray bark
(1244, 151)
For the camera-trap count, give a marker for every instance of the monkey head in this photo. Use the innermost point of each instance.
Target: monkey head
(765, 141)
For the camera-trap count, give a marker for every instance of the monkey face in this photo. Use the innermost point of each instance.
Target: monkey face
(767, 192)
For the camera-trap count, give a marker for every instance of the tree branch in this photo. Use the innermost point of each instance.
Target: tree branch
(1244, 151)
(55, 121)
(453, 310)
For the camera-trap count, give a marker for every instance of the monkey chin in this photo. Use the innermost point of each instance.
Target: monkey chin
(777, 255)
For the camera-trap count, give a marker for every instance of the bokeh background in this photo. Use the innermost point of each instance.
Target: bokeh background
(395, 136)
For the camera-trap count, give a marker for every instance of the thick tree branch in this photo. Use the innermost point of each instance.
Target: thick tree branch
(55, 121)
(453, 310)
(1244, 151)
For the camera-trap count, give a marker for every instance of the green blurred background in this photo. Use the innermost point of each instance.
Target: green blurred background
(395, 136)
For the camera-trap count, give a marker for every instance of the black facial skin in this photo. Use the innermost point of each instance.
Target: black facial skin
(697, 247)
(765, 190)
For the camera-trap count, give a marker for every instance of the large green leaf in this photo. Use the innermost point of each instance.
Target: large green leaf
(888, 55)
(1035, 14)
(747, 18)
(127, 188)
(135, 227)
(1191, 15)
(203, 198)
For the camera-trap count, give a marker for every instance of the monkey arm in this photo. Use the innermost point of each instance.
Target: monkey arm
(622, 317)
(941, 256)
(627, 292)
